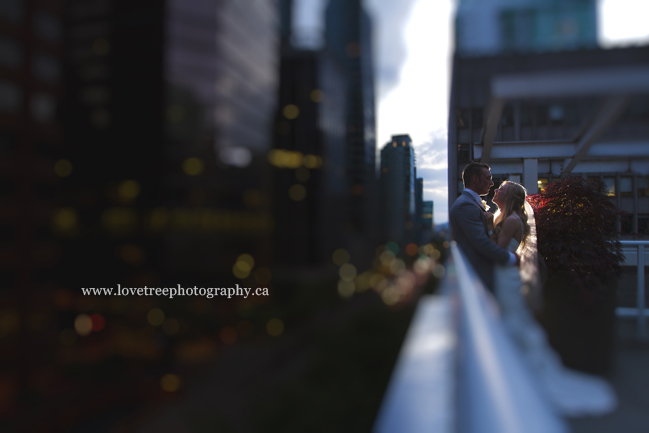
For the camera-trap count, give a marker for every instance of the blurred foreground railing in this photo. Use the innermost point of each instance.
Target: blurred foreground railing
(634, 255)
(459, 372)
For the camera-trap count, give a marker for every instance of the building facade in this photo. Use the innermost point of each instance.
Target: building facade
(398, 192)
(491, 27)
(536, 118)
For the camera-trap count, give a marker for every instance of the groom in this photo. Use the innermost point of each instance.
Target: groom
(469, 226)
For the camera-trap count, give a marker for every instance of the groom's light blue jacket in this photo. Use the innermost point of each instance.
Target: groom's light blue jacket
(469, 230)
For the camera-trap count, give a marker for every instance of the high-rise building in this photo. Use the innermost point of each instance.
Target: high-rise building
(487, 27)
(397, 192)
(311, 204)
(349, 39)
(136, 137)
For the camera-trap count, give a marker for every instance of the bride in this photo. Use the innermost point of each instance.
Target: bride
(572, 393)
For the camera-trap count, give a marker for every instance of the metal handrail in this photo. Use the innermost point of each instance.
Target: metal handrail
(497, 391)
(640, 312)
(459, 371)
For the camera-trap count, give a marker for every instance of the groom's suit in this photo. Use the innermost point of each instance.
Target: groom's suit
(469, 230)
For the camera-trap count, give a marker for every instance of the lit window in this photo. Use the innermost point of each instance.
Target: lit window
(610, 186)
(542, 182)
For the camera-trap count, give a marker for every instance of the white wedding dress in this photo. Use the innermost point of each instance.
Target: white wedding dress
(570, 392)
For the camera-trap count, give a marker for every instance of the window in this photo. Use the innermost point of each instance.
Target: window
(463, 117)
(463, 154)
(541, 115)
(610, 186)
(626, 186)
(643, 187)
(643, 225)
(626, 223)
(526, 115)
(542, 182)
(477, 116)
(507, 118)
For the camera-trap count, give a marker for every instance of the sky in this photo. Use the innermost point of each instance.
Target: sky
(412, 51)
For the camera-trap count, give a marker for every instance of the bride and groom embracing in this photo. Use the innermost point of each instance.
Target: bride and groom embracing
(501, 248)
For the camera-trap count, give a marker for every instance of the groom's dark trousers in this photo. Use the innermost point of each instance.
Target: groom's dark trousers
(469, 230)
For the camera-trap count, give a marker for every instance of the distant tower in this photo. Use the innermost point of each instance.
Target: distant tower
(487, 27)
(397, 193)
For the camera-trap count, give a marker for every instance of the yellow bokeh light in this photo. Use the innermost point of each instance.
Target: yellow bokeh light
(340, 257)
(312, 161)
(375, 280)
(316, 95)
(101, 46)
(240, 273)
(297, 192)
(63, 168)
(128, 190)
(439, 271)
(390, 296)
(275, 327)
(246, 258)
(155, 317)
(83, 324)
(193, 166)
(65, 219)
(291, 111)
(397, 266)
(347, 272)
(285, 158)
(346, 288)
(362, 281)
(170, 382)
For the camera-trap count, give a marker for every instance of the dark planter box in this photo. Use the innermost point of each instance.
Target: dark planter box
(580, 326)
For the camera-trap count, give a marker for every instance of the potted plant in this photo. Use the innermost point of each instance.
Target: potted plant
(577, 239)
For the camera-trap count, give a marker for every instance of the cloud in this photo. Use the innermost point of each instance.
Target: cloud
(432, 166)
(389, 18)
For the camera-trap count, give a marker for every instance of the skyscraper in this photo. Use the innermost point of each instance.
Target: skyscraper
(349, 38)
(397, 192)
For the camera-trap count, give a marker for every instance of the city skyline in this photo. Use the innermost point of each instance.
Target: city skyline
(413, 72)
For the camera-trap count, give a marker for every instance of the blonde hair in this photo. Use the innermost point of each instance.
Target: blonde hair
(514, 204)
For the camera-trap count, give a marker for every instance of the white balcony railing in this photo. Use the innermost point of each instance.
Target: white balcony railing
(459, 372)
(634, 253)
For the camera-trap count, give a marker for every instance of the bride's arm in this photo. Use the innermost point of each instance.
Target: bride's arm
(507, 231)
